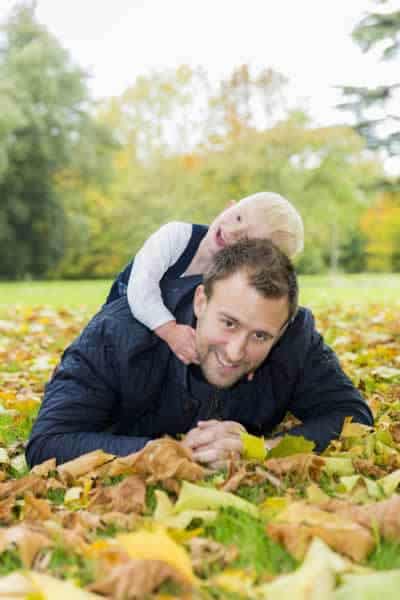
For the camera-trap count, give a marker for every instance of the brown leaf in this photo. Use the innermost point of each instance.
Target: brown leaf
(234, 480)
(247, 473)
(384, 515)
(45, 468)
(164, 459)
(82, 465)
(81, 521)
(17, 487)
(29, 539)
(53, 484)
(395, 432)
(135, 579)
(205, 552)
(299, 523)
(368, 468)
(304, 466)
(36, 508)
(126, 522)
(126, 497)
(7, 515)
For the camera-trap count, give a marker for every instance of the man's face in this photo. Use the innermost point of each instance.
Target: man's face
(236, 328)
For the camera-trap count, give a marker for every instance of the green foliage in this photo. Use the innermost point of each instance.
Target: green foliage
(256, 550)
(9, 562)
(15, 428)
(66, 565)
(78, 202)
(56, 495)
(377, 30)
(353, 257)
(385, 556)
(291, 444)
(255, 493)
(47, 127)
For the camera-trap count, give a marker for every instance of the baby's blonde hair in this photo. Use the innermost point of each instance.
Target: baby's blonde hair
(286, 224)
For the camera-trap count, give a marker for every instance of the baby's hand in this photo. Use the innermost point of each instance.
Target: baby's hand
(181, 340)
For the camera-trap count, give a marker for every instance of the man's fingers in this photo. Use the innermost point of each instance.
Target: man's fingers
(205, 424)
(212, 432)
(228, 426)
(203, 437)
(220, 450)
(209, 455)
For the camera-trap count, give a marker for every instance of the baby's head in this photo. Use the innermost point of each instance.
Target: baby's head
(263, 215)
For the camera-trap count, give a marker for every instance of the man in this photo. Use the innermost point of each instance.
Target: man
(118, 385)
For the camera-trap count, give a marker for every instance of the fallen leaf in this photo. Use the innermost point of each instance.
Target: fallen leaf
(29, 539)
(157, 545)
(164, 459)
(126, 497)
(303, 466)
(136, 579)
(71, 470)
(299, 523)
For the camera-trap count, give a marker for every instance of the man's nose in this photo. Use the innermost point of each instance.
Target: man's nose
(235, 349)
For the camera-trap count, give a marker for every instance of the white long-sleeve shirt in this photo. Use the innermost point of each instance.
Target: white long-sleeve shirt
(160, 251)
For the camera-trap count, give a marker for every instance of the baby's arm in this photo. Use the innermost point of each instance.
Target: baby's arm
(160, 251)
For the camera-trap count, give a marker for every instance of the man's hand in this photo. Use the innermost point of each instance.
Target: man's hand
(213, 442)
(181, 340)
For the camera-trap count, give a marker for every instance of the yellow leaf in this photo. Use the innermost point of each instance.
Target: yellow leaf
(273, 506)
(50, 588)
(253, 447)
(157, 545)
(164, 514)
(354, 429)
(236, 581)
(96, 548)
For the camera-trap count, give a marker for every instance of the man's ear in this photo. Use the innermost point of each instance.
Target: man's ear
(199, 301)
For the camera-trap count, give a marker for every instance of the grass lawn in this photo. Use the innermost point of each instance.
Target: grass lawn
(316, 291)
(241, 551)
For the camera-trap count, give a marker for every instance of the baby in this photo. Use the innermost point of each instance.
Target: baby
(181, 249)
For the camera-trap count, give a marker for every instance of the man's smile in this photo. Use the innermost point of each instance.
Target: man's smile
(226, 365)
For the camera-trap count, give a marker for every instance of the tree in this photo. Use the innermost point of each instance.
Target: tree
(45, 128)
(381, 226)
(377, 109)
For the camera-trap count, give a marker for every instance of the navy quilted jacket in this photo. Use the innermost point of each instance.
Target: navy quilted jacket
(118, 385)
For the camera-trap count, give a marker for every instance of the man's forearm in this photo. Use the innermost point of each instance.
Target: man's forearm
(67, 446)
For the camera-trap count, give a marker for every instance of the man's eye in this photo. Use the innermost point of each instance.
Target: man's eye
(261, 337)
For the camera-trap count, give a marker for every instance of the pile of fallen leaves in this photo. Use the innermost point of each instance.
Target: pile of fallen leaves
(156, 524)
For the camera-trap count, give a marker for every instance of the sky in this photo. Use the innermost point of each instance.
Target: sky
(308, 41)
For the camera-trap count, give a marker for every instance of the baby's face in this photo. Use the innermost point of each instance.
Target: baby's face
(243, 220)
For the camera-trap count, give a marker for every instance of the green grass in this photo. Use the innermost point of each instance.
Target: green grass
(55, 293)
(315, 291)
(256, 549)
(16, 428)
(65, 564)
(366, 288)
(9, 562)
(386, 556)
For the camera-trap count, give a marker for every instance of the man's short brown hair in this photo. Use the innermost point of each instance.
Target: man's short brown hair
(268, 269)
